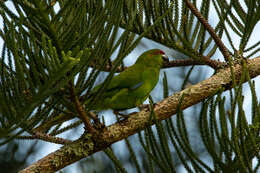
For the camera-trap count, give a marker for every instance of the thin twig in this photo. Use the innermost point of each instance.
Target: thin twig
(188, 62)
(46, 137)
(211, 31)
(66, 128)
(82, 114)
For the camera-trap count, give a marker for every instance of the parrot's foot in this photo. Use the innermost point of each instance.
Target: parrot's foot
(97, 123)
(121, 116)
(144, 106)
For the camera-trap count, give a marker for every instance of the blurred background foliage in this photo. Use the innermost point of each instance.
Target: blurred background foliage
(53, 45)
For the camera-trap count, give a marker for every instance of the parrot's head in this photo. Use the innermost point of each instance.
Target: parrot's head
(153, 58)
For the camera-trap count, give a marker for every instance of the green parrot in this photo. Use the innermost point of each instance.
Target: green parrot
(131, 87)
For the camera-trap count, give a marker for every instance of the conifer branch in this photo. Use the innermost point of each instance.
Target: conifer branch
(188, 62)
(46, 137)
(211, 31)
(81, 112)
(222, 80)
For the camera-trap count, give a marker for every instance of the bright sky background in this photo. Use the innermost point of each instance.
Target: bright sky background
(49, 147)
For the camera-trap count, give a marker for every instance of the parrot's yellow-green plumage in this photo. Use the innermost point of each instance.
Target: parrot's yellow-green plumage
(132, 87)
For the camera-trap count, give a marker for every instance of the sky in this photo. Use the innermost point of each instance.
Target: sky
(48, 147)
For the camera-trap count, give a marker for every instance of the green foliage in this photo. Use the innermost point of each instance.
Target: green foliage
(46, 51)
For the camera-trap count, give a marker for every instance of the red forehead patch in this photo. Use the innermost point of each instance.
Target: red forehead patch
(159, 52)
(162, 52)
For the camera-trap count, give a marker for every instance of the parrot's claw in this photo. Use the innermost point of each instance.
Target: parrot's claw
(97, 124)
(116, 112)
(121, 116)
(144, 106)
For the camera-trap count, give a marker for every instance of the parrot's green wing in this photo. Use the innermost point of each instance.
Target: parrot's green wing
(131, 78)
(127, 90)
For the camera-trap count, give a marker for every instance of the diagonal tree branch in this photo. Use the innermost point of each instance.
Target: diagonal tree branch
(211, 31)
(85, 146)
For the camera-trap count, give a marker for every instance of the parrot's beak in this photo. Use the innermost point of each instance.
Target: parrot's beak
(165, 59)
